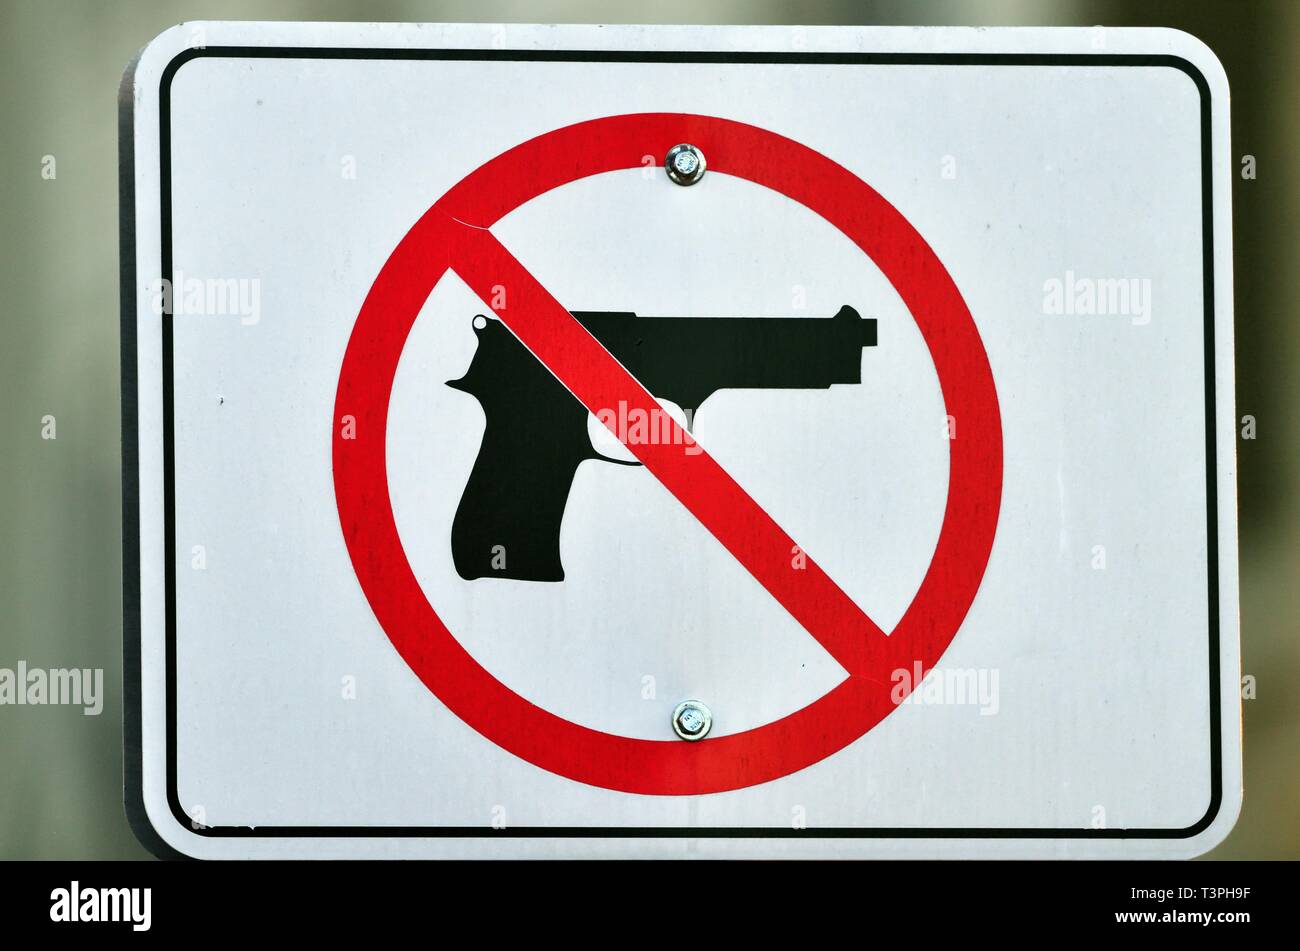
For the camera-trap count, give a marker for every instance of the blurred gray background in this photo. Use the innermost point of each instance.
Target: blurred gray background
(60, 561)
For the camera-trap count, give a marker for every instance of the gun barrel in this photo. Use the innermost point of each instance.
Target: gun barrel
(686, 359)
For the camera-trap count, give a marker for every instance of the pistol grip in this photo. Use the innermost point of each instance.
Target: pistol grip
(507, 524)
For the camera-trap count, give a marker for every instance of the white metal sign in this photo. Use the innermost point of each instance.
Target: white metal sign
(678, 442)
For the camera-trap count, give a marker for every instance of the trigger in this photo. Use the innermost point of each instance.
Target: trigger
(606, 446)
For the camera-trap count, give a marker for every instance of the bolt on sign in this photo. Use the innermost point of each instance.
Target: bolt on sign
(678, 442)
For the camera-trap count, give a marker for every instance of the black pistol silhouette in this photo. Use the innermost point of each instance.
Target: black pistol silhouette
(508, 522)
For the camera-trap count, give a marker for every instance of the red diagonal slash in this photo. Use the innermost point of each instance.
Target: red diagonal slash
(695, 479)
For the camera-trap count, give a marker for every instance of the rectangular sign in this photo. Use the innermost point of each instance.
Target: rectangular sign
(678, 442)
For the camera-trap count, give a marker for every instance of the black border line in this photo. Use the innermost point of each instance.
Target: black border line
(130, 439)
(132, 739)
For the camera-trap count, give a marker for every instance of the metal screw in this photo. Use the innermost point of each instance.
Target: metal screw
(685, 164)
(692, 720)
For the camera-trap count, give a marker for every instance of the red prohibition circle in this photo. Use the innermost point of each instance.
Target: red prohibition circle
(450, 236)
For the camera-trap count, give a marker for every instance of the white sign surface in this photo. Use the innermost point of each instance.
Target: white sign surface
(953, 570)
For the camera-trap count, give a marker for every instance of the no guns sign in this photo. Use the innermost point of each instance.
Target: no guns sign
(671, 465)
(594, 378)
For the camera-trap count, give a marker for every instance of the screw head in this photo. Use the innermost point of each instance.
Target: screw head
(685, 164)
(692, 720)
